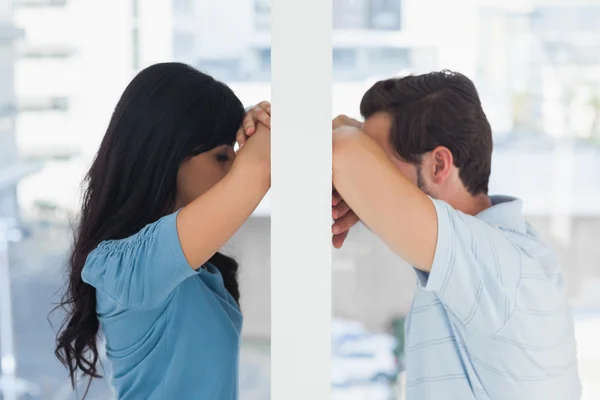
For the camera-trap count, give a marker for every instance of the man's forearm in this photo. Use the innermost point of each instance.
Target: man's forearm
(386, 201)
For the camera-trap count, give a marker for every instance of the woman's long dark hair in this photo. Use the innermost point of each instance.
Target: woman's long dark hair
(168, 113)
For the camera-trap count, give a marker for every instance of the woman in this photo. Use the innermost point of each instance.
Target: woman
(164, 193)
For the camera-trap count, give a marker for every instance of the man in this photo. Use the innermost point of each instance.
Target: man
(489, 319)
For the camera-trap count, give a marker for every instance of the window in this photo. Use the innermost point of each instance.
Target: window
(264, 58)
(344, 59)
(135, 35)
(135, 48)
(46, 51)
(349, 14)
(360, 355)
(39, 3)
(183, 6)
(7, 110)
(566, 19)
(389, 60)
(183, 45)
(385, 14)
(135, 9)
(51, 111)
(54, 103)
(7, 124)
(262, 15)
(540, 90)
(223, 70)
(367, 14)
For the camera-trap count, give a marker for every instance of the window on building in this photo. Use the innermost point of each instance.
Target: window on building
(385, 14)
(389, 60)
(183, 6)
(349, 14)
(62, 135)
(46, 51)
(39, 3)
(262, 15)
(52, 103)
(264, 58)
(135, 48)
(223, 69)
(184, 45)
(7, 110)
(135, 9)
(344, 59)
(135, 36)
(562, 19)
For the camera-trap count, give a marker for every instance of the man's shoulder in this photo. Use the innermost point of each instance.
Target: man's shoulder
(529, 242)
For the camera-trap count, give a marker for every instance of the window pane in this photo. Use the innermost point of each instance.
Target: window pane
(537, 72)
(344, 59)
(349, 14)
(63, 67)
(385, 14)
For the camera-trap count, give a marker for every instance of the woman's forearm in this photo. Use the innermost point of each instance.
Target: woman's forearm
(207, 223)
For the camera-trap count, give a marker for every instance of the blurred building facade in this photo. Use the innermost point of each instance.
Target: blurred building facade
(371, 38)
(8, 148)
(12, 167)
(541, 52)
(67, 85)
(544, 64)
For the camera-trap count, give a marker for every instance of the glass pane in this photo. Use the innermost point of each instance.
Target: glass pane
(385, 14)
(349, 14)
(536, 72)
(63, 67)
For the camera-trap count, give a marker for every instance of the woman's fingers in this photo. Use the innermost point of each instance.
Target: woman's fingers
(249, 124)
(254, 115)
(261, 115)
(265, 105)
(258, 113)
(240, 137)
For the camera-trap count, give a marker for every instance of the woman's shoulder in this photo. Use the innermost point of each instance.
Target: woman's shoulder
(141, 270)
(112, 252)
(164, 225)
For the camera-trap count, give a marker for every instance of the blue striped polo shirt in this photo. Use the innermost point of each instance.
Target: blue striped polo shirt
(491, 320)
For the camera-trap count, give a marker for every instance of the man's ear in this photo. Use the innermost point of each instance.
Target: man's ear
(442, 161)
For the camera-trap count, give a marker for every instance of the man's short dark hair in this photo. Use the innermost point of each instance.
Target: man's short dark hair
(436, 109)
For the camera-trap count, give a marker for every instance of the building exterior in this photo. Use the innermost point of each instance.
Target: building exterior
(231, 40)
(68, 63)
(46, 78)
(371, 38)
(544, 64)
(12, 168)
(8, 150)
(69, 83)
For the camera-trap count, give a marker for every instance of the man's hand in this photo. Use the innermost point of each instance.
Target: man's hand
(343, 216)
(258, 113)
(344, 219)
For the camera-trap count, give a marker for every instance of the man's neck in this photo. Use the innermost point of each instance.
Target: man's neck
(471, 205)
